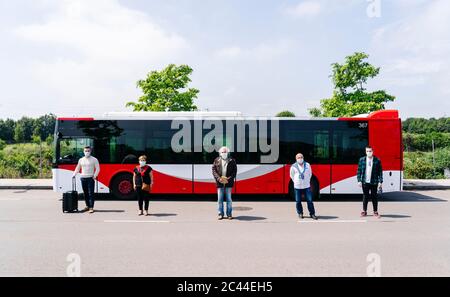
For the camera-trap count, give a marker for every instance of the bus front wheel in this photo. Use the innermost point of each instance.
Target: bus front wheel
(314, 189)
(122, 187)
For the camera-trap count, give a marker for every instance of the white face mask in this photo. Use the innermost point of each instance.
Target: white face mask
(369, 154)
(300, 161)
(224, 156)
(87, 154)
(142, 163)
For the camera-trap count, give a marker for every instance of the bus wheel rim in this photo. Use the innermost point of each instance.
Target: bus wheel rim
(125, 187)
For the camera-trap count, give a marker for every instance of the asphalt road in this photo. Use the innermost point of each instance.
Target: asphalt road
(184, 238)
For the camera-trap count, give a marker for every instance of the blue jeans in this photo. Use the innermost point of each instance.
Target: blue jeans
(221, 192)
(298, 200)
(88, 185)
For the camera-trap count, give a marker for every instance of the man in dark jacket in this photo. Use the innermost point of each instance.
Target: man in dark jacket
(370, 178)
(224, 170)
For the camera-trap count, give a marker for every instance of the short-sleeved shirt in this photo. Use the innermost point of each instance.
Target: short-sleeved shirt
(142, 175)
(369, 165)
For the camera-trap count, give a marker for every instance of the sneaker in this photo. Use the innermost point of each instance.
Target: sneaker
(314, 217)
(230, 217)
(363, 214)
(377, 215)
(146, 213)
(301, 216)
(141, 213)
(91, 210)
(86, 209)
(220, 217)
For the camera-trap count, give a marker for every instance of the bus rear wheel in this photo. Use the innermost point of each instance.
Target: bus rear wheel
(315, 189)
(122, 187)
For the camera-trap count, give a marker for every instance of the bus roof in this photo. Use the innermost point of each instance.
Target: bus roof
(382, 114)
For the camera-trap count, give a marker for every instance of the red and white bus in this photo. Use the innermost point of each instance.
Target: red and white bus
(332, 146)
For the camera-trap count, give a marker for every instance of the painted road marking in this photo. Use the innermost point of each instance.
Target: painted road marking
(133, 221)
(335, 221)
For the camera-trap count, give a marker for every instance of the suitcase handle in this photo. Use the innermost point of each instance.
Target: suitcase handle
(74, 184)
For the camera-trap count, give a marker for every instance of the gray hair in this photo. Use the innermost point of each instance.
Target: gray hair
(224, 149)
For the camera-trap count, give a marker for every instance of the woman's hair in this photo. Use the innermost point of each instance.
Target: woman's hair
(143, 157)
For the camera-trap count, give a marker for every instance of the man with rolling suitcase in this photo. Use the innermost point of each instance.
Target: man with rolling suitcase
(90, 168)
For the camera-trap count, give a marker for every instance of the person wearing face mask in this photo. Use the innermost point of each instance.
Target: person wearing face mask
(370, 179)
(90, 168)
(301, 174)
(224, 171)
(143, 183)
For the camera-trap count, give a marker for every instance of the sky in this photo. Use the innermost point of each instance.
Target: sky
(84, 57)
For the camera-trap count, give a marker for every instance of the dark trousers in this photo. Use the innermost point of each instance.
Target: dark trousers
(370, 192)
(88, 185)
(308, 196)
(143, 197)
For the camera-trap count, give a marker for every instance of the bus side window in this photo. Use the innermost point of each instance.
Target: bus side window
(322, 146)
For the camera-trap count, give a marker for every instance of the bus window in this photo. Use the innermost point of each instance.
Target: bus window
(71, 149)
(350, 139)
(322, 145)
(311, 138)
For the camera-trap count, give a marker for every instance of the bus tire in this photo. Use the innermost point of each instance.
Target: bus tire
(315, 189)
(122, 187)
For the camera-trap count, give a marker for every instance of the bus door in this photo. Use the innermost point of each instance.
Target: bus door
(256, 154)
(349, 141)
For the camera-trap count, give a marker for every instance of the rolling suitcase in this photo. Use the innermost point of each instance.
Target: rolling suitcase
(70, 199)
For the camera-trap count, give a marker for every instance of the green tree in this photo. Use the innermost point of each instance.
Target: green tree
(285, 114)
(7, 130)
(24, 129)
(350, 96)
(44, 126)
(166, 90)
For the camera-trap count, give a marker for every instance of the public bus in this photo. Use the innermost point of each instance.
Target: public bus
(264, 149)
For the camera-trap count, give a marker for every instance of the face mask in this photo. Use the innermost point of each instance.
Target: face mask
(369, 154)
(300, 161)
(87, 154)
(224, 155)
(142, 163)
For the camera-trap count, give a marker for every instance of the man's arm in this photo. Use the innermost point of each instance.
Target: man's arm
(97, 169)
(77, 169)
(380, 177)
(233, 170)
(214, 172)
(359, 171)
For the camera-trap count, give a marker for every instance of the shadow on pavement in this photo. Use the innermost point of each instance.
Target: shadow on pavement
(409, 197)
(395, 216)
(386, 197)
(249, 218)
(327, 217)
(109, 211)
(162, 214)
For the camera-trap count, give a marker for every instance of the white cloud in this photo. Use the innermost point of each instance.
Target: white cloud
(262, 51)
(229, 52)
(415, 50)
(305, 9)
(104, 48)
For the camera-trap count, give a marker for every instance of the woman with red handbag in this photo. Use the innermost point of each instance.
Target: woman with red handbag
(143, 182)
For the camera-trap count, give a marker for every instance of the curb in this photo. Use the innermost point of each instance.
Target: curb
(412, 187)
(26, 188)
